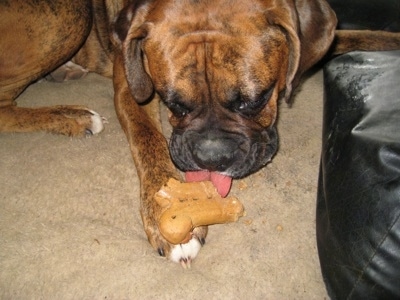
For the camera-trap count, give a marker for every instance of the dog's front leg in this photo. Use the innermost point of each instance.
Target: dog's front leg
(154, 167)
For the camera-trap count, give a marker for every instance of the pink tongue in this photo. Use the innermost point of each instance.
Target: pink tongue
(221, 182)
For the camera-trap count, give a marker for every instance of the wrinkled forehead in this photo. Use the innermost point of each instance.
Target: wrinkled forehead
(186, 16)
(229, 46)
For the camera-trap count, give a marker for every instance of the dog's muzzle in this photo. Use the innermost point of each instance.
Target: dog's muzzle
(213, 151)
(232, 154)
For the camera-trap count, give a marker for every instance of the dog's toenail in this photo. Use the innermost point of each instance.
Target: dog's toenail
(161, 251)
(88, 131)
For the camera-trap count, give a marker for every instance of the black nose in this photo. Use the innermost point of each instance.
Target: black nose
(213, 152)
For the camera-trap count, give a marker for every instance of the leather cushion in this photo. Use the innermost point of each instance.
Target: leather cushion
(358, 209)
(367, 14)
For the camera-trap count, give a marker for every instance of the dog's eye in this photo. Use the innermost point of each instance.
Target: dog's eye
(175, 103)
(179, 110)
(251, 107)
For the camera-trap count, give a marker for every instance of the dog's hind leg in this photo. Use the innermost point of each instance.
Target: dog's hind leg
(67, 71)
(36, 38)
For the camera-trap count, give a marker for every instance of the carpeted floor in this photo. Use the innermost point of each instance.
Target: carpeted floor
(70, 227)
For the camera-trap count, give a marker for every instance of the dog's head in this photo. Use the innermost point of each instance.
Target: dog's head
(220, 67)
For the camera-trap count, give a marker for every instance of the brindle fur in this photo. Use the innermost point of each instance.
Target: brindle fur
(202, 58)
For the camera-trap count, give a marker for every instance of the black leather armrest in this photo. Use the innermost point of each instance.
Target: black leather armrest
(367, 14)
(358, 209)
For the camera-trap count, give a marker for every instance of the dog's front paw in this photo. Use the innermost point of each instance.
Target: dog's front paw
(186, 253)
(77, 121)
(183, 253)
(96, 125)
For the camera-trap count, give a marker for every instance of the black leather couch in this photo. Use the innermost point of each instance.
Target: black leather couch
(358, 202)
(367, 14)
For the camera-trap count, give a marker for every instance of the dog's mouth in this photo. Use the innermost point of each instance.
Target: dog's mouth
(221, 182)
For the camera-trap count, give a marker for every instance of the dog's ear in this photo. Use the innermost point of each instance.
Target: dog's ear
(317, 30)
(310, 26)
(129, 30)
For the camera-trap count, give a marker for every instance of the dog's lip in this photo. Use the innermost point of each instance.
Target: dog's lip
(221, 182)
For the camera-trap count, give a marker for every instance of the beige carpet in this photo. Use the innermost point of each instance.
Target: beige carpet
(70, 227)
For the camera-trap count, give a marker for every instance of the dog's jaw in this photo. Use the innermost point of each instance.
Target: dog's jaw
(252, 152)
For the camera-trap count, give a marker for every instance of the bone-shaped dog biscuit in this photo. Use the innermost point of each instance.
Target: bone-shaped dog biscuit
(192, 204)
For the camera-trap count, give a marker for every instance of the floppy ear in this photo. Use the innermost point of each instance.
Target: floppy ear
(317, 30)
(129, 31)
(310, 27)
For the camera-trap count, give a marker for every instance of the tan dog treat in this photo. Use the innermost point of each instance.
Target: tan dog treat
(192, 204)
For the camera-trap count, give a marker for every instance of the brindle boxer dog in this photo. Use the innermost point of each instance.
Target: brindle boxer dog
(219, 66)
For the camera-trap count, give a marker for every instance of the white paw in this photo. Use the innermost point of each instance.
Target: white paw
(67, 71)
(97, 123)
(185, 253)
